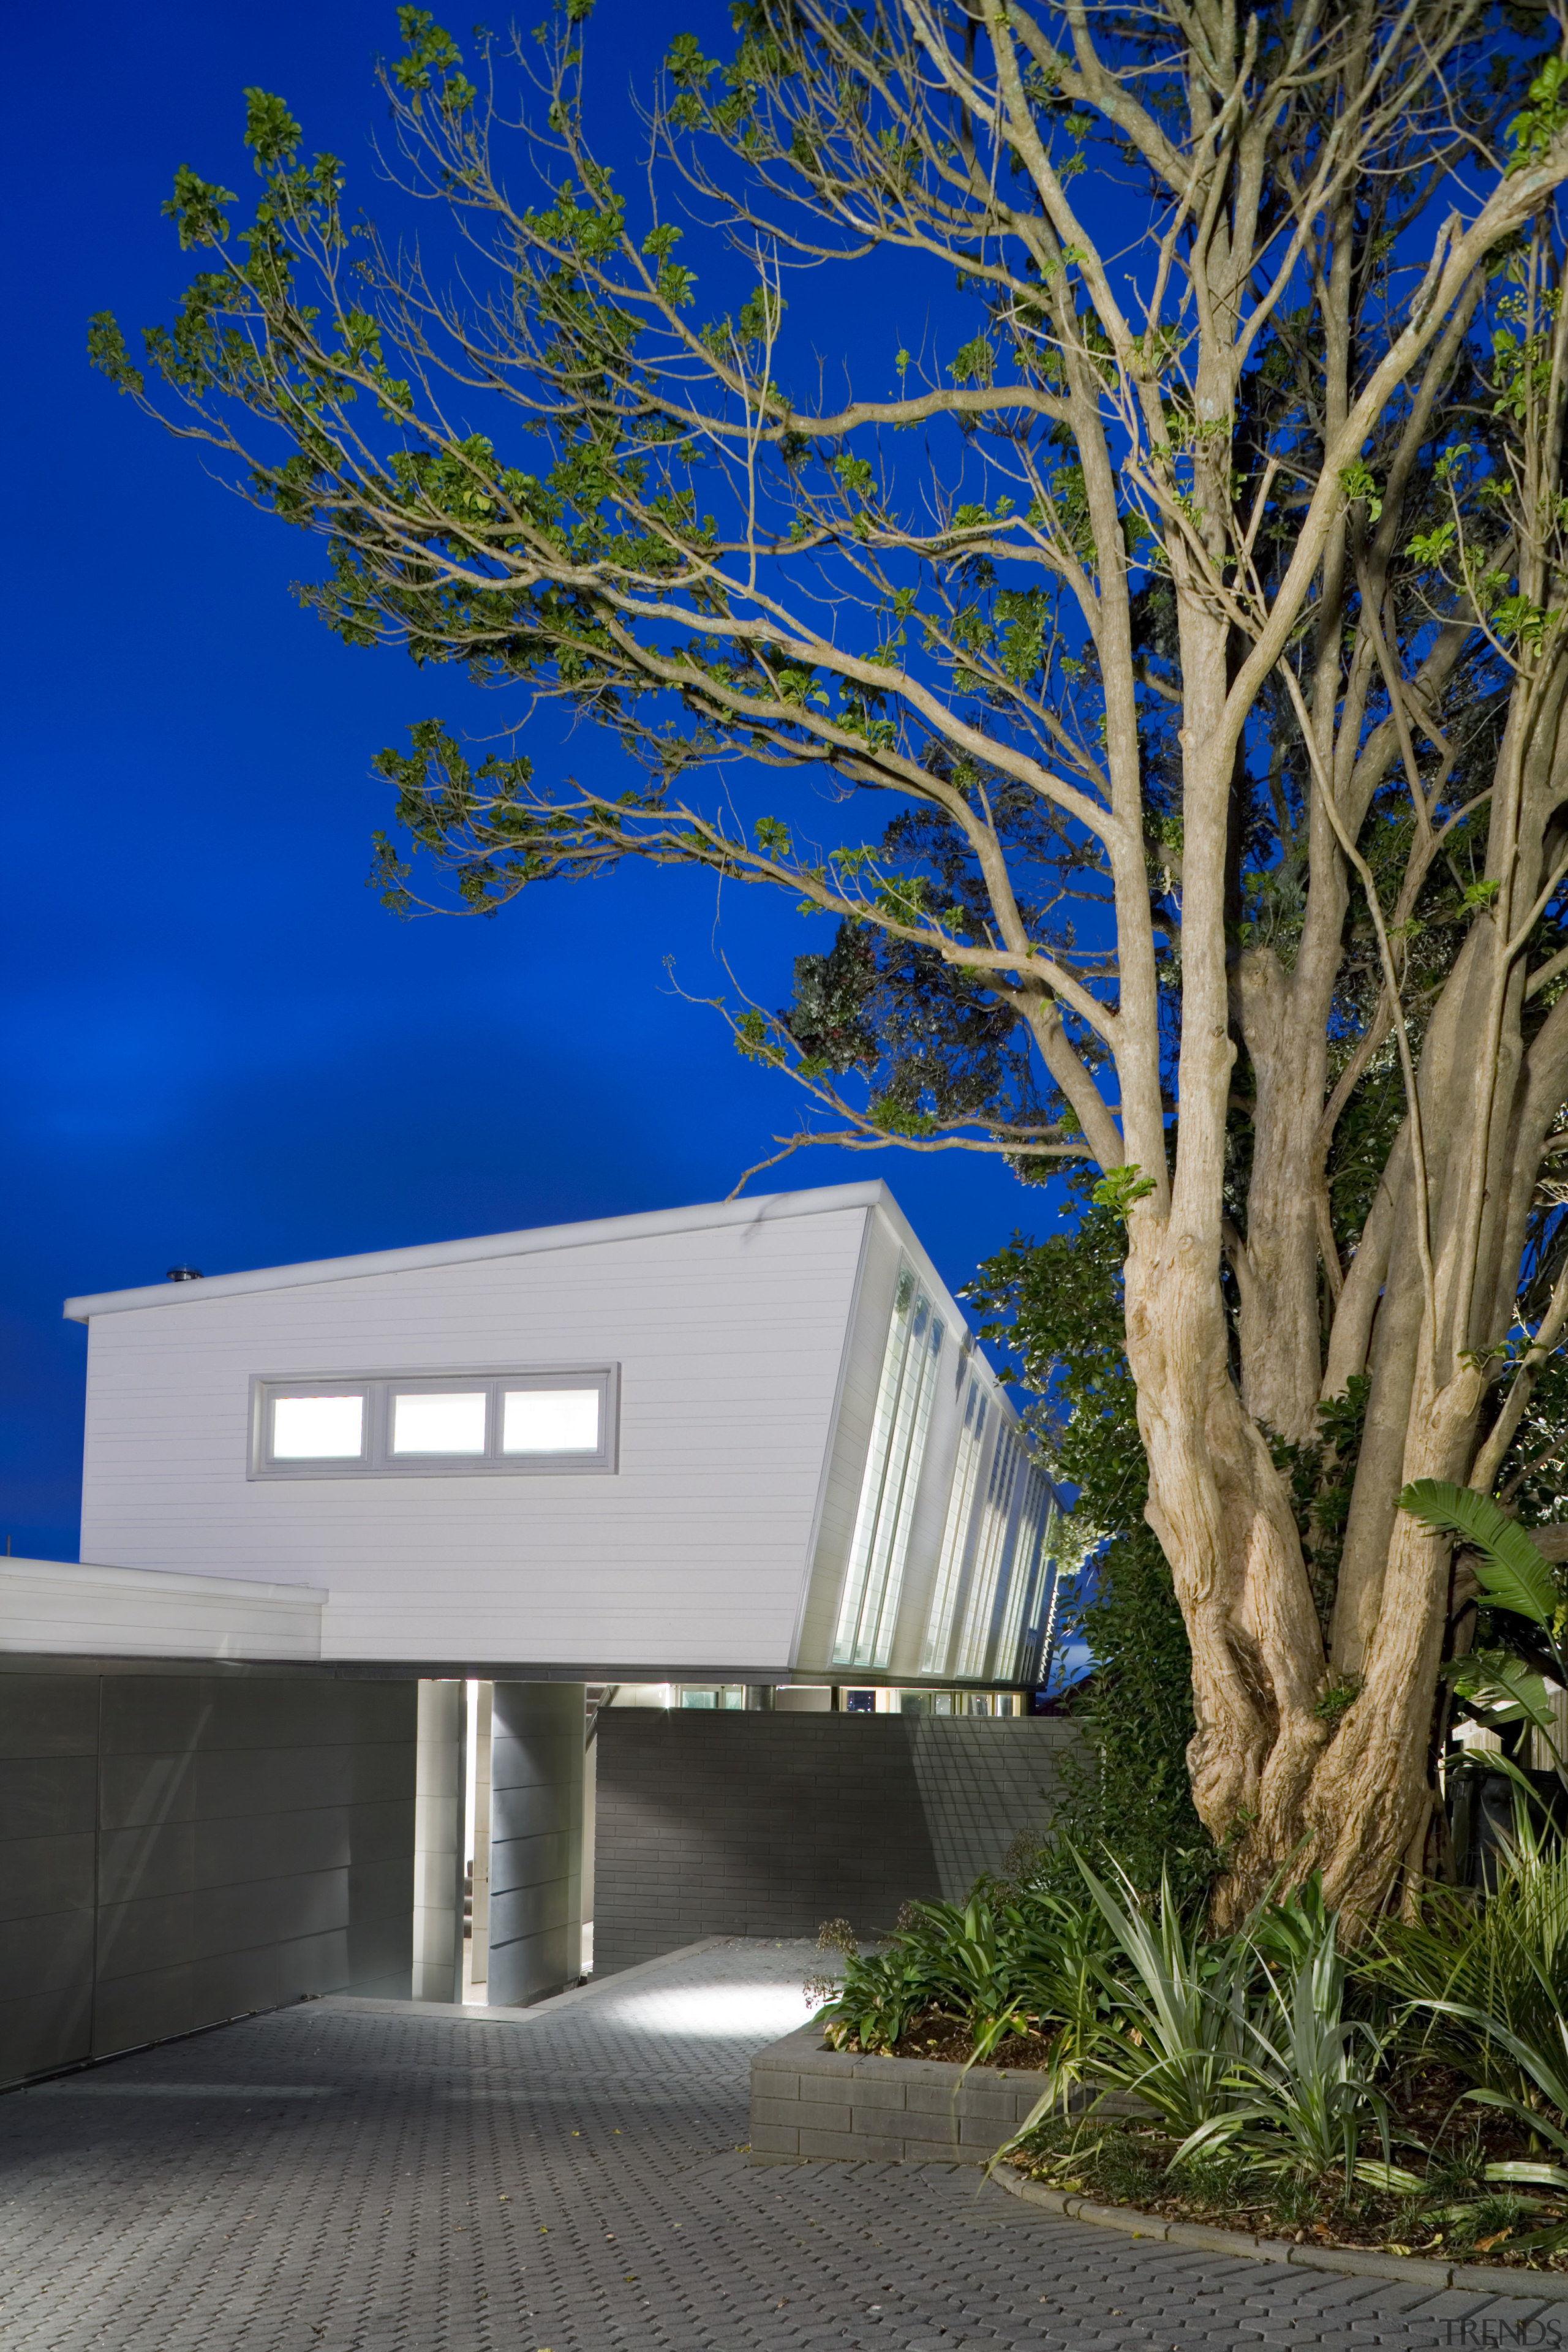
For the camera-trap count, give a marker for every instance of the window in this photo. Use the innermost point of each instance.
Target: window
(393, 1426)
(550, 1421)
(1036, 1526)
(317, 1428)
(993, 1556)
(882, 1539)
(956, 1534)
(438, 1420)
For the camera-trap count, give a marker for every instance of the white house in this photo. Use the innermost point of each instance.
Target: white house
(357, 1537)
(753, 1441)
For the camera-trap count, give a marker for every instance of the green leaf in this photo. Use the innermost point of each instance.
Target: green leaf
(1394, 2179)
(1357, 482)
(1502, 1687)
(1512, 1571)
(270, 130)
(106, 350)
(1119, 1188)
(1533, 132)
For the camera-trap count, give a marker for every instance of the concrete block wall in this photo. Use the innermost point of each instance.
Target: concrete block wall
(438, 1856)
(720, 1823)
(180, 1848)
(537, 1732)
(808, 2101)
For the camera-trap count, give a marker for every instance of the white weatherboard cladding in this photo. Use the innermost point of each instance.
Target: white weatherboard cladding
(731, 1339)
(64, 1609)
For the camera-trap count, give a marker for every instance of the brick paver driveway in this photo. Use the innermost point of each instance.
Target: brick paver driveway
(334, 2178)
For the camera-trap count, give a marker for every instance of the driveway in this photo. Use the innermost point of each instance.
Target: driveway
(357, 2177)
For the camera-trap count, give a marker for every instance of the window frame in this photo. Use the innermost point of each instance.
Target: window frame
(377, 1458)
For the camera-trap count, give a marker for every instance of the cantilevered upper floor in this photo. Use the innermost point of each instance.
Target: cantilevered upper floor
(750, 1441)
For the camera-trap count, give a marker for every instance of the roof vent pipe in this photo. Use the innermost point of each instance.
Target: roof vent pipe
(185, 1274)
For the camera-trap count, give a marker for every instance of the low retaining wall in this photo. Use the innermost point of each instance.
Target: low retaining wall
(809, 2102)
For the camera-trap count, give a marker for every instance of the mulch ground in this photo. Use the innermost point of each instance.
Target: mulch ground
(1436, 2135)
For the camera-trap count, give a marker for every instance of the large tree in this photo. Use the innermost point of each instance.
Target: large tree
(1179, 651)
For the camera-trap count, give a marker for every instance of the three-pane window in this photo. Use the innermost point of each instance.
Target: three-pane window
(385, 1426)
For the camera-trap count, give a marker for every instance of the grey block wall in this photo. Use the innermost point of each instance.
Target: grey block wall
(810, 2102)
(537, 1734)
(177, 1849)
(767, 1824)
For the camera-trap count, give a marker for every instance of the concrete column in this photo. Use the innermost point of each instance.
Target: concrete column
(536, 1839)
(590, 1816)
(438, 1856)
(479, 1939)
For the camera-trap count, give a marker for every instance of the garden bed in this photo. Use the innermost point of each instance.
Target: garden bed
(812, 2104)
(1124, 2161)
(934, 2035)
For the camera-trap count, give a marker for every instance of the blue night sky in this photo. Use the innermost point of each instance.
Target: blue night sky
(219, 1048)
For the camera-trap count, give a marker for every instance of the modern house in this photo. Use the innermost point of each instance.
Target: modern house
(400, 1513)
(742, 1443)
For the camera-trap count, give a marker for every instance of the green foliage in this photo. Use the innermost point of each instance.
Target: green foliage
(1119, 1188)
(1534, 129)
(1007, 1961)
(1358, 485)
(1172, 2029)
(1262, 2057)
(1512, 1570)
(1519, 1582)
(1456, 1981)
(1234, 2042)
(1305, 2078)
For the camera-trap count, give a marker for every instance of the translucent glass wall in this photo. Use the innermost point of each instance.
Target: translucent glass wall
(881, 1540)
(954, 1559)
(1016, 1603)
(992, 1557)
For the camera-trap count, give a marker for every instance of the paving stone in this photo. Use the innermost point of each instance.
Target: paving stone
(578, 2179)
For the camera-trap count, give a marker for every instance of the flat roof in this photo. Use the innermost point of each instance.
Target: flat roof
(764, 1209)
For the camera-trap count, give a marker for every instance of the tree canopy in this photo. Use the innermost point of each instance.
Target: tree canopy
(1160, 690)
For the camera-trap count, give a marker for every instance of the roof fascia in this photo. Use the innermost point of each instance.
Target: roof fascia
(765, 1209)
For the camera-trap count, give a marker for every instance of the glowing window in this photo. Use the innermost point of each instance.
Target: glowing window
(993, 1558)
(948, 1597)
(317, 1428)
(550, 1421)
(448, 1420)
(418, 1425)
(878, 1552)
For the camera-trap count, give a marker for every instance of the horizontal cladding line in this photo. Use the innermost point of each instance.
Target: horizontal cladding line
(793, 1317)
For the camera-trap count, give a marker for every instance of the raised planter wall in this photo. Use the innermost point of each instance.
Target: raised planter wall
(808, 2101)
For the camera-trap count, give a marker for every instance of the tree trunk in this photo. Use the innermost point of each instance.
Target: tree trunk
(1305, 1760)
